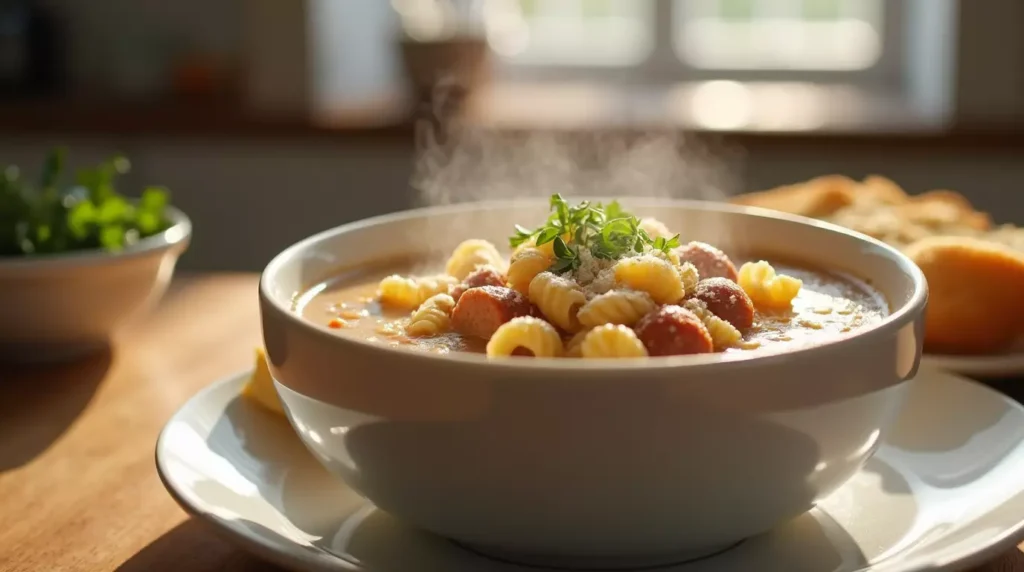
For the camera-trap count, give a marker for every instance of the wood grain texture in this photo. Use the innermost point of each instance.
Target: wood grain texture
(78, 484)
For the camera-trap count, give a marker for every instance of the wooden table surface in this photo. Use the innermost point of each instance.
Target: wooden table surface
(78, 485)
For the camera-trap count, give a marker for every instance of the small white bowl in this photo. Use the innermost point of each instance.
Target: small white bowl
(636, 462)
(59, 307)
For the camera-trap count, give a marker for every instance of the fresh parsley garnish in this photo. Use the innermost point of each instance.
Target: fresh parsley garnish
(522, 235)
(607, 231)
(567, 258)
(51, 217)
(662, 244)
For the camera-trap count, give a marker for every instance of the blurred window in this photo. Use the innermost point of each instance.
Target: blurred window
(833, 35)
(598, 33)
(671, 40)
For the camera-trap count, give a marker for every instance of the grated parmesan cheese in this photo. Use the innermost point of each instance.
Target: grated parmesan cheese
(594, 275)
(590, 267)
(605, 282)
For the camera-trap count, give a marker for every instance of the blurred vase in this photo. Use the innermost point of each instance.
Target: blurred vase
(460, 62)
(443, 42)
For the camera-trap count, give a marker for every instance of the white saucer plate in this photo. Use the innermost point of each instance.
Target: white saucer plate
(943, 493)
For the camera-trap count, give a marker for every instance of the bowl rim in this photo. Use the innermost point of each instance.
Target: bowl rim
(180, 232)
(913, 308)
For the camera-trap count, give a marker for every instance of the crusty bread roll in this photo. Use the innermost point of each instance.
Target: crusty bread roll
(975, 272)
(974, 286)
(816, 198)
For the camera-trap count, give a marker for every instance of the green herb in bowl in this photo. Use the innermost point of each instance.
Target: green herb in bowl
(49, 216)
(606, 230)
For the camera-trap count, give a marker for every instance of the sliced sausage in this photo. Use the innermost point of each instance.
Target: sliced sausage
(725, 299)
(483, 276)
(481, 311)
(672, 331)
(710, 262)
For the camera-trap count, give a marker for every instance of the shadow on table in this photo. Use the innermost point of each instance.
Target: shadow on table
(193, 546)
(1012, 561)
(63, 391)
(1009, 386)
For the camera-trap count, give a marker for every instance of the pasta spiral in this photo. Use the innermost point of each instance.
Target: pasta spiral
(672, 256)
(655, 228)
(472, 254)
(526, 332)
(612, 341)
(526, 265)
(616, 307)
(559, 299)
(723, 334)
(765, 287)
(688, 274)
(433, 317)
(573, 347)
(410, 292)
(656, 276)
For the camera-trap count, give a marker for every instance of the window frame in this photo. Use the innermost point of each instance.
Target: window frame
(664, 66)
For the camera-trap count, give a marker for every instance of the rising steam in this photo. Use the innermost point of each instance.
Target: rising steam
(458, 162)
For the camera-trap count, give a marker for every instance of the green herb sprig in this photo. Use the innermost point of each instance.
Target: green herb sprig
(607, 231)
(48, 218)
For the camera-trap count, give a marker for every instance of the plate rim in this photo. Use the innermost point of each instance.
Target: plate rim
(283, 553)
(280, 554)
(983, 366)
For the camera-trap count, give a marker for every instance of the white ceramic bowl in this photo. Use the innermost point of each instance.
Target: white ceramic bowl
(58, 307)
(639, 460)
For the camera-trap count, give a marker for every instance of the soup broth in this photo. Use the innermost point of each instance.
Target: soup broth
(594, 282)
(828, 305)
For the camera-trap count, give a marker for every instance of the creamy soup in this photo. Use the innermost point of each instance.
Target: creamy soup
(828, 305)
(594, 282)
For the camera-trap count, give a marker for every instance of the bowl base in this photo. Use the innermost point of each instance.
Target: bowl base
(595, 563)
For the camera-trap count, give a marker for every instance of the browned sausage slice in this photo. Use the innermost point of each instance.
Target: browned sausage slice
(673, 331)
(481, 311)
(710, 262)
(484, 276)
(725, 299)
